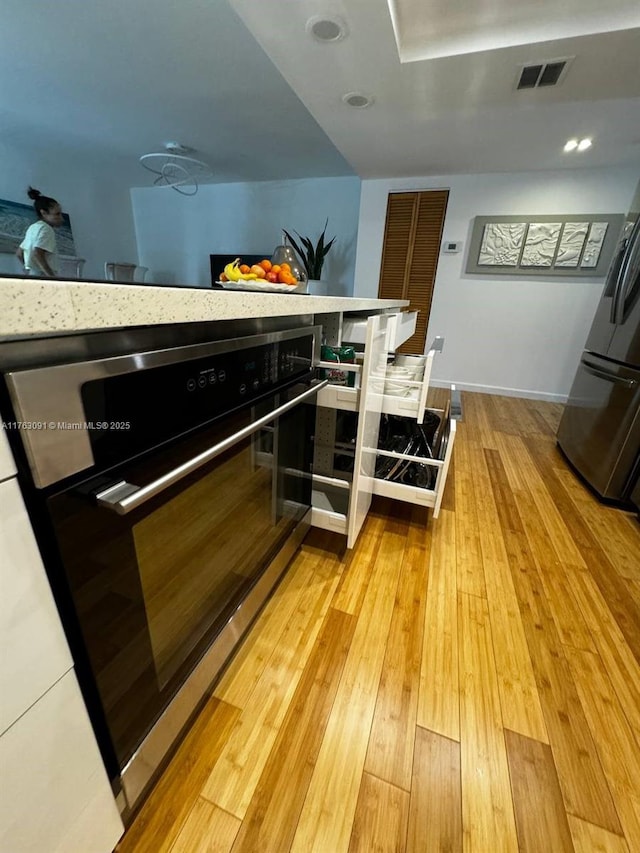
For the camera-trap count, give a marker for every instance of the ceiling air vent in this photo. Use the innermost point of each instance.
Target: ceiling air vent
(539, 74)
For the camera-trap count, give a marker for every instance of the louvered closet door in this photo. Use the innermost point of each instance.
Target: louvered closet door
(413, 231)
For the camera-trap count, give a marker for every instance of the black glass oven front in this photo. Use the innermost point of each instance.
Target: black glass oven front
(153, 588)
(148, 589)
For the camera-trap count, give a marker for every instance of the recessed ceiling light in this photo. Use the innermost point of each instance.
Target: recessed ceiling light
(358, 100)
(571, 145)
(326, 29)
(584, 144)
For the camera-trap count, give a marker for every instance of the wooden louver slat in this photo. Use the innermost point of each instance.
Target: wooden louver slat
(413, 231)
(401, 210)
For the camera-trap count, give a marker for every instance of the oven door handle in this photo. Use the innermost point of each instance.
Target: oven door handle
(124, 497)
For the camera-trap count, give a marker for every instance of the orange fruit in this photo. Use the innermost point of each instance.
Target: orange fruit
(244, 268)
(276, 268)
(223, 277)
(285, 266)
(266, 265)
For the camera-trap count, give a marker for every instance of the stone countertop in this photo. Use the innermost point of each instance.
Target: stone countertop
(41, 307)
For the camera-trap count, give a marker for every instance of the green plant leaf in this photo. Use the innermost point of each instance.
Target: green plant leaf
(328, 246)
(309, 247)
(311, 256)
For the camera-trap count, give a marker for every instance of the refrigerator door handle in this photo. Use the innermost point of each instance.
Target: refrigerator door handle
(610, 377)
(617, 303)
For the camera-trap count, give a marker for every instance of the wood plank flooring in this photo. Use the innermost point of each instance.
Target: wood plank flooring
(470, 683)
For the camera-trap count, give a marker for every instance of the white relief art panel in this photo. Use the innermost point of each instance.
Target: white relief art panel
(571, 244)
(540, 246)
(578, 245)
(595, 241)
(501, 244)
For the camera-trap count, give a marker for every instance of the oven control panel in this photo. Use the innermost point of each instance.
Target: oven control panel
(247, 373)
(159, 403)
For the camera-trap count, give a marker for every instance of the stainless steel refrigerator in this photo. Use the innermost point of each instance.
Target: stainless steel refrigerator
(600, 429)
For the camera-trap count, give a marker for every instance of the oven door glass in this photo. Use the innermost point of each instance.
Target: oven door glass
(153, 588)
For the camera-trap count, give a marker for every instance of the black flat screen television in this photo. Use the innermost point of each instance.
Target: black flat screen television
(219, 262)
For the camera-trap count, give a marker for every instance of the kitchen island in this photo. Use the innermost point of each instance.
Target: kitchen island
(39, 320)
(42, 307)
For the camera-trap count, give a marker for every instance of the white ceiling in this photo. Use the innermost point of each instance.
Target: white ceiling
(115, 79)
(110, 81)
(461, 113)
(429, 29)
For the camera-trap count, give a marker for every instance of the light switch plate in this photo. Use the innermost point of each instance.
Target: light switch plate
(450, 247)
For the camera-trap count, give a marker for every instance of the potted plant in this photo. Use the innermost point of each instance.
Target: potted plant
(312, 257)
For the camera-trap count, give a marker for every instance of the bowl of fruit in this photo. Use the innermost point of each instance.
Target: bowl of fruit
(263, 276)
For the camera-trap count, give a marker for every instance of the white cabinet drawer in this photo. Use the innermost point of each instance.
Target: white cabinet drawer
(7, 465)
(55, 793)
(438, 467)
(34, 651)
(402, 329)
(402, 326)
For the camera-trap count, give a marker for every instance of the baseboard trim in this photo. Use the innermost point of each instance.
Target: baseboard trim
(504, 392)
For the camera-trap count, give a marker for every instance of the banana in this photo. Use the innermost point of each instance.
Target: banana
(233, 273)
(231, 270)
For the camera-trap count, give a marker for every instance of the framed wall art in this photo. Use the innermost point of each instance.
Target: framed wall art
(565, 245)
(15, 218)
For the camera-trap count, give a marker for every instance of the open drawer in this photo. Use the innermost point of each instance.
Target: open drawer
(402, 326)
(418, 479)
(330, 504)
(410, 399)
(338, 504)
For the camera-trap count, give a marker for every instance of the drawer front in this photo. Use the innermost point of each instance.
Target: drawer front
(403, 325)
(400, 486)
(34, 649)
(55, 793)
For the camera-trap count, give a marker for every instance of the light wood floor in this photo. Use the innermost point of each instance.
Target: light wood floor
(466, 684)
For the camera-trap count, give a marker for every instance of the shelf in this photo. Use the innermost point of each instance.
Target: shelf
(339, 397)
(325, 520)
(348, 399)
(330, 503)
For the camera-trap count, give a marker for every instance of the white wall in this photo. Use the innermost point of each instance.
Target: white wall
(176, 234)
(99, 205)
(514, 336)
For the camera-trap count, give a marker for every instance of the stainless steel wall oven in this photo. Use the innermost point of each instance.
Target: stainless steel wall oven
(169, 487)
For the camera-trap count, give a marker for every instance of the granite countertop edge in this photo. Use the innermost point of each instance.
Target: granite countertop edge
(40, 307)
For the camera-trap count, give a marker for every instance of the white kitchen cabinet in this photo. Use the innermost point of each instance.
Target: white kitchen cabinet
(336, 505)
(340, 502)
(54, 791)
(401, 326)
(55, 795)
(369, 411)
(34, 652)
(7, 465)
